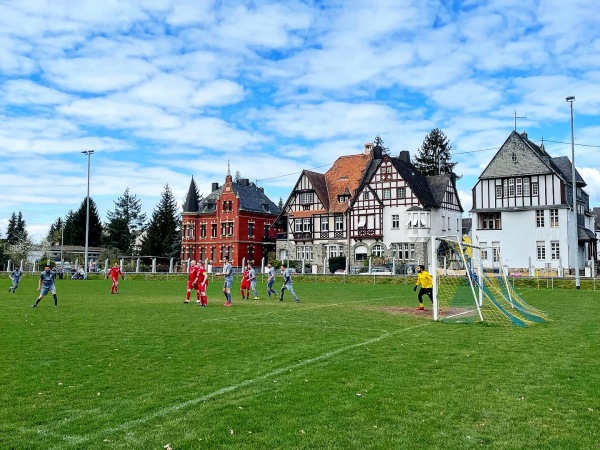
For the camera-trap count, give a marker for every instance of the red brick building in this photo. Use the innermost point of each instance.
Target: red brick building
(234, 220)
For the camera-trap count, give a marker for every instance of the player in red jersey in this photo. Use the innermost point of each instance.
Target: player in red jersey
(192, 280)
(202, 281)
(245, 284)
(114, 273)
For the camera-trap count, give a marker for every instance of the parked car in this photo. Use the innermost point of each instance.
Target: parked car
(378, 271)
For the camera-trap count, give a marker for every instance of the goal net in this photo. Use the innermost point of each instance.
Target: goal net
(470, 285)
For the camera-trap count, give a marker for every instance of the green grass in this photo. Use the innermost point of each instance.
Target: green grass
(339, 370)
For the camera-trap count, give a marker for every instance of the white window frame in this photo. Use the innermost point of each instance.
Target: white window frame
(386, 193)
(378, 250)
(395, 221)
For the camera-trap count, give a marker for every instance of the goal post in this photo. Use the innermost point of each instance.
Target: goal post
(468, 287)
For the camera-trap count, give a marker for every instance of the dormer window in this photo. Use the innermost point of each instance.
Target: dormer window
(343, 198)
(306, 198)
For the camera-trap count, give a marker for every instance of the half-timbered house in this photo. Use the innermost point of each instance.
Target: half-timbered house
(397, 210)
(522, 209)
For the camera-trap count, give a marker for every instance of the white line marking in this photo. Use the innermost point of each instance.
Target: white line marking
(78, 440)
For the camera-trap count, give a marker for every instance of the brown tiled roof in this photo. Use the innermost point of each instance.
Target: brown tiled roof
(319, 184)
(344, 178)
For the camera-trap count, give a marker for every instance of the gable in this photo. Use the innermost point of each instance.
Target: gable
(518, 157)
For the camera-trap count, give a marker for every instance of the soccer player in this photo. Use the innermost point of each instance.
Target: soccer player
(15, 277)
(45, 285)
(270, 280)
(228, 280)
(245, 284)
(287, 283)
(426, 282)
(202, 283)
(192, 280)
(114, 273)
(252, 279)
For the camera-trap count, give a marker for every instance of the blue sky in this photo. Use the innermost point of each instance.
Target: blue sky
(162, 90)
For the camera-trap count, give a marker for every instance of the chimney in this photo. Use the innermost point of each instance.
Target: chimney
(214, 187)
(524, 135)
(244, 181)
(404, 156)
(368, 148)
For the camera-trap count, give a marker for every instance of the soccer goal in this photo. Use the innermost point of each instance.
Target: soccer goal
(470, 285)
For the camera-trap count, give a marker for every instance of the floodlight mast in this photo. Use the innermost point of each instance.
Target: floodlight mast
(89, 153)
(571, 99)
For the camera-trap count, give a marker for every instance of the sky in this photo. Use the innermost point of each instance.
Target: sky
(163, 90)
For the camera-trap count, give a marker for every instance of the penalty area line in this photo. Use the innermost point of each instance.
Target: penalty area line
(78, 440)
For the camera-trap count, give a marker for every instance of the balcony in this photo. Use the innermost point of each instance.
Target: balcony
(363, 233)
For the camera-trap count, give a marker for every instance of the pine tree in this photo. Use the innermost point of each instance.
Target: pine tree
(125, 223)
(434, 155)
(21, 228)
(11, 229)
(163, 234)
(75, 224)
(280, 204)
(55, 232)
(237, 177)
(378, 142)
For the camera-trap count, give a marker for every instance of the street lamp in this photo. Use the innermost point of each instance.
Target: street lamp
(89, 153)
(571, 99)
(62, 242)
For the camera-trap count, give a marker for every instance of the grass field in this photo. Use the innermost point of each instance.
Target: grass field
(349, 367)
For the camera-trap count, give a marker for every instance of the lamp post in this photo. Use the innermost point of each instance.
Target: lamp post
(62, 242)
(89, 153)
(571, 99)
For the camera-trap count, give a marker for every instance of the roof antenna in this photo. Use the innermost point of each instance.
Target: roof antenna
(518, 117)
(228, 171)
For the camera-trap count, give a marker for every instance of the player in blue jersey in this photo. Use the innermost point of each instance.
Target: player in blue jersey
(45, 285)
(252, 279)
(270, 280)
(228, 280)
(15, 277)
(287, 283)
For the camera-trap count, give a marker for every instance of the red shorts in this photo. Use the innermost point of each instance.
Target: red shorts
(189, 285)
(245, 285)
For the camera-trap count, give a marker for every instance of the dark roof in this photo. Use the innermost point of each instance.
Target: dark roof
(583, 234)
(191, 203)
(417, 182)
(319, 184)
(252, 198)
(563, 166)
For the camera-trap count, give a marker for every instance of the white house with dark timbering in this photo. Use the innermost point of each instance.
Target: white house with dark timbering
(522, 209)
(397, 210)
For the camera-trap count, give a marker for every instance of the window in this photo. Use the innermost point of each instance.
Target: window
(519, 187)
(324, 223)
(395, 221)
(387, 193)
(505, 188)
(306, 222)
(555, 249)
(191, 231)
(366, 195)
(498, 191)
(250, 229)
(339, 223)
(304, 253)
(541, 250)
(282, 254)
(230, 228)
(360, 253)
(513, 157)
(297, 226)
(334, 251)
(378, 250)
(417, 220)
(554, 218)
(534, 189)
(539, 218)
(526, 187)
(343, 198)
(306, 198)
(203, 230)
(495, 252)
(251, 253)
(223, 228)
(401, 193)
(511, 187)
(203, 253)
(490, 221)
(212, 254)
(484, 250)
(404, 251)
(214, 231)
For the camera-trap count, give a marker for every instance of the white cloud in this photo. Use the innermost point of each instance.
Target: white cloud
(26, 92)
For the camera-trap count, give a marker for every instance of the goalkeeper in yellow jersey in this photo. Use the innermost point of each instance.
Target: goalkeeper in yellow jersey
(426, 282)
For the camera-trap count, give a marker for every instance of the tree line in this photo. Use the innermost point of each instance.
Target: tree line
(158, 236)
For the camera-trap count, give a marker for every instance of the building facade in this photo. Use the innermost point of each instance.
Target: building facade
(522, 209)
(234, 221)
(367, 205)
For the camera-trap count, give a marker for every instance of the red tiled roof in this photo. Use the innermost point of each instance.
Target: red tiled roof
(344, 178)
